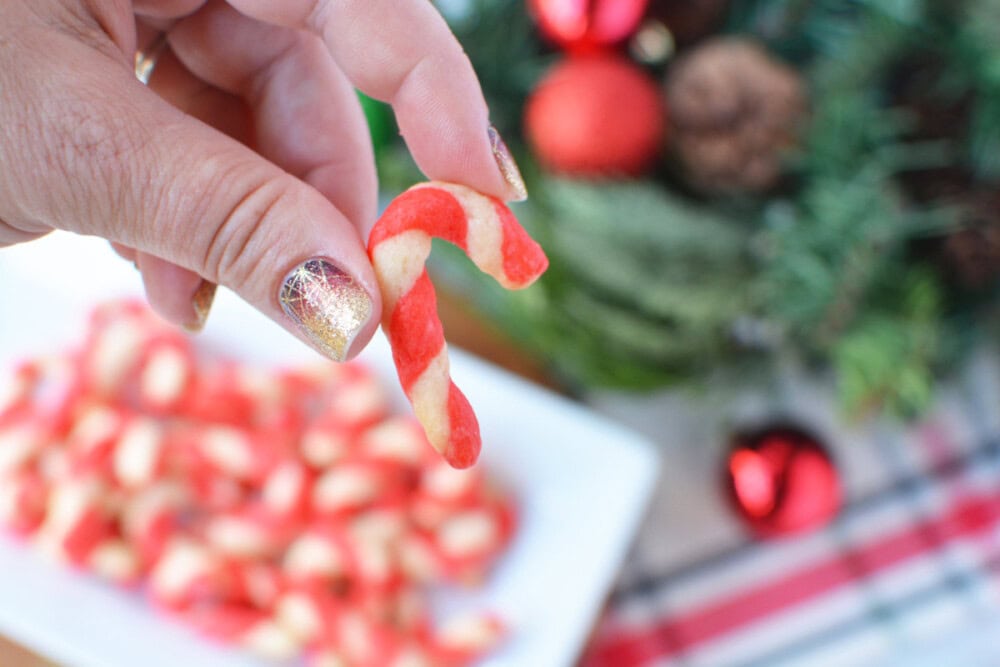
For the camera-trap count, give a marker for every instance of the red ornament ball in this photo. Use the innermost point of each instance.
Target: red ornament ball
(782, 481)
(596, 116)
(588, 25)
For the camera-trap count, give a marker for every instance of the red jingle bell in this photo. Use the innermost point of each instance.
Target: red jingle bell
(585, 26)
(782, 480)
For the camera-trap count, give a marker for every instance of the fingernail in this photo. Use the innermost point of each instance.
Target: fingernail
(202, 304)
(328, 306)
(508, 168)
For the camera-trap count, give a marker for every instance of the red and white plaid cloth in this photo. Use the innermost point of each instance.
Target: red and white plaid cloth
(908, 574)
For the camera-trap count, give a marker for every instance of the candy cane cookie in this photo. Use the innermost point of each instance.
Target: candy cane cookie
(399, 245)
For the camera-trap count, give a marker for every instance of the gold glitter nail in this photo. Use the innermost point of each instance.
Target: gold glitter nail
(508, 168)
(202, 303)
(327, 305)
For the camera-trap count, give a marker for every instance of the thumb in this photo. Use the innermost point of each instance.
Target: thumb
(104, 156)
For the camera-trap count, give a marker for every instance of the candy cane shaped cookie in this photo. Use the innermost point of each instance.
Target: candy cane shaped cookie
(399, 245)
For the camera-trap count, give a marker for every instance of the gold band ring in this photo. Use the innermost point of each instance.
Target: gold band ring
(145, 59)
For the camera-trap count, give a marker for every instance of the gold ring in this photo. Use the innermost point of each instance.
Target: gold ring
(145, 59)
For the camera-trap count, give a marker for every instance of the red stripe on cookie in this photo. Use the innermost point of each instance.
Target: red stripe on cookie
(523, 259)
(432, 211)
(464, 441)
(415, 332)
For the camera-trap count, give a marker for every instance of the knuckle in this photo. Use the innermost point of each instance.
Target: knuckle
(247, 217)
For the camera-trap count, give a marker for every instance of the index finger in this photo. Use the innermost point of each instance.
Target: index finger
(402, 52)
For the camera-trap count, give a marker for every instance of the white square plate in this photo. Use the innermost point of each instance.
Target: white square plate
(582, 484)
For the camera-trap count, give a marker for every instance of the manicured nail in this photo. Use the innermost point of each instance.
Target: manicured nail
(329, 307)
(202, 304)
(508, 168)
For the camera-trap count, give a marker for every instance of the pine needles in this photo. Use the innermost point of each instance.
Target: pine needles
(651, 284)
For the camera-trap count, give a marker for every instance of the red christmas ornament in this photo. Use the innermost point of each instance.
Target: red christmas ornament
(588, 25)
(782, 481)
(596, 116)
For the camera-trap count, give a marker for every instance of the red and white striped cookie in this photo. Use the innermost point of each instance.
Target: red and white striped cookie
(247, 533)
(399, 245)
(114, 345)
(90, 442)
(116, 560)
(77, 520)
(257, 583)
(238, 453)
(279, 513)
(137, 459)
(355, 397)
(16, 391)
(20, 442)
(185, 572)
(321, 554)
(245, 626)
(309, 612)
(467, 637)
(166, 373)
(23, 497)
(286, 491)
(149, 518)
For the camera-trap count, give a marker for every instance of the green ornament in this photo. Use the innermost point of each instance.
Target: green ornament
(380, 121)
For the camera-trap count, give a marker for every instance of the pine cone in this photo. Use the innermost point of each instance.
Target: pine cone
(971, 254)
(735, 110)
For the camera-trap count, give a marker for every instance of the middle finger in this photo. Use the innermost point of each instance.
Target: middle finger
(307, 118)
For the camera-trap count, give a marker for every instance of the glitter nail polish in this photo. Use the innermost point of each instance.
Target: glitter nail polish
(328, 306)
(201, 301)
(508, 168)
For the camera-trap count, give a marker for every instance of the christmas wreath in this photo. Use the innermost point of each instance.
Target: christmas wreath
(721, 183)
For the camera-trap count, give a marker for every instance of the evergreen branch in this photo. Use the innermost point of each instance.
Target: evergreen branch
(887, 360)
(648, 287)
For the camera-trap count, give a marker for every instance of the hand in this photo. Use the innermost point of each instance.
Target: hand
(247, 161)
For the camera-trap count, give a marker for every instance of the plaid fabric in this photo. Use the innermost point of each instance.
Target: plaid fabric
(908, 574)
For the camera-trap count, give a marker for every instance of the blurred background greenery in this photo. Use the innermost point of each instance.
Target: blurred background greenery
(719, 184)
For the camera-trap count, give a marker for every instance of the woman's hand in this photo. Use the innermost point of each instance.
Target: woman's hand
(247, 161)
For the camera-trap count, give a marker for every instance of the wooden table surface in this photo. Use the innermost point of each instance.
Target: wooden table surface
(463, 328)
(13, 655)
